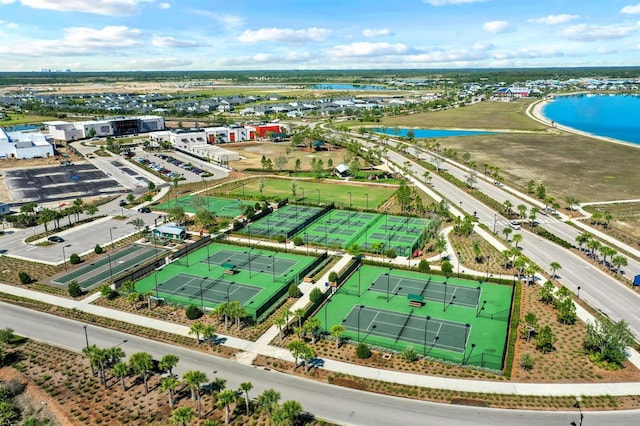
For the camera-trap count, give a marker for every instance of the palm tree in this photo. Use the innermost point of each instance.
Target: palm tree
(91, 210)
(289, 412)
(196, 329)
(583, 239)
(517, 238)
(141, 363)
(297, 348)
(208, 333)
(607, 251)
(280, 322)
(223, 311)
(89, 353)
(148, 295)
(533, 213)
(134, 298)
(268, 400)
(245, 387)
(312, 325)
(299, 315)
(593, 245)
(46, 216)
(169, 385)
(237, 311)
(336, 332)
(308, 354)
(520, 264)
(618, 261)
(121, 370)
(168, 363)
(508, 205)
(506, 232)
(555, 266)
(522, 210)
(182, 416)
(225, 399)
(194, 379)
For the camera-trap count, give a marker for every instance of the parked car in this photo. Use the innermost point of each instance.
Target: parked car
(144, 210)
(514, 224)
(123, 203)
(56, 239)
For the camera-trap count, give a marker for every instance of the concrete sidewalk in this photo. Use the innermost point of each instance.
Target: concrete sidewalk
(259, 347)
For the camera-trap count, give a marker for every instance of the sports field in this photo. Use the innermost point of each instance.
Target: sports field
(324, 192)
(219, 273)
(285, 221)
(224, 207)
(372, 232)
(111, 264)
(453, 319)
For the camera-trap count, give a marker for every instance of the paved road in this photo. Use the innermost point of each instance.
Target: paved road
(340, 405)
(598, 289)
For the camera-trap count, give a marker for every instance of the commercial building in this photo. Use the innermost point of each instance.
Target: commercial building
(24, 145)
(70, 131)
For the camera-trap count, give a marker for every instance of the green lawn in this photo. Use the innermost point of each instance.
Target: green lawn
(16, 119)
(319, 192)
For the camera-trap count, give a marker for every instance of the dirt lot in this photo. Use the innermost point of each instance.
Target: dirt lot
(252, 154)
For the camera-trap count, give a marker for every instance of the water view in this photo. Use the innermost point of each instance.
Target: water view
(428, 133)
(613, 116)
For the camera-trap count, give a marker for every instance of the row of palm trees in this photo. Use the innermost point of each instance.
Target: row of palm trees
(28, 213)
(142, 365)
(594, 248)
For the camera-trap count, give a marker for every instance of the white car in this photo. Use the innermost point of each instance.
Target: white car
(514, 224)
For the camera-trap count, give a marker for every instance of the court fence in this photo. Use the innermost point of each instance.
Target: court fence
(346, 272)
(324, 210)
(146, 268)
(191, 247)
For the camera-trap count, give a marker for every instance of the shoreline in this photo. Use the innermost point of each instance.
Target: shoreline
(534, 111)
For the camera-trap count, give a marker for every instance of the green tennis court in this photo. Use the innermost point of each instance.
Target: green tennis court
(109, 265)
(253, 260)
(338, 228)
(213, 290)
(400, 233)
(411, 328)
(434, 288)
(413, 313)
(225, 207)
(287, 221)
(218, 272)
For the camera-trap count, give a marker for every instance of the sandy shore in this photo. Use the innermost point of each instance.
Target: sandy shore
(535, 112)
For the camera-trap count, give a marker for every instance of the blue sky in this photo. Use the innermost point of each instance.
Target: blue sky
(106, 35)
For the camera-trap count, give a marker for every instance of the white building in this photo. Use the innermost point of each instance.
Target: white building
(66, 131)
(24, 145)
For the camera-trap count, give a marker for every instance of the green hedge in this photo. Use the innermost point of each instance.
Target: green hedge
(513, 329)
(552, 237)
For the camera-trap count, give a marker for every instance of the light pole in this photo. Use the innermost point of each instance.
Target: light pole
(577, 405)
(306, 239)
(488, 263)
(318, 190)
(473, 345)
(228, 288)
(86, 336)
(578, 292)
(64, 256)
(444, 297)
(326, 308)
(209, 260)
(424, 347)
(480, 308)
(201, 298)
(367, 195)
(388, 282)
(359, 310)
(458, 253)
(349, 200)
(359, 269)
(109, 252)
(302, 189)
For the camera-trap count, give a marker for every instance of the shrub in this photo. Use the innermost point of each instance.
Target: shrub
(390, 253)
(446, 268)
(410, 355)
(281, 238)
(333, 276)
(315, 295)
(297, 240)
(74, 289)
(423, 266)
(24, 277)
(97, 249)
(526, 362)
(294, 291)
(193, 312)
(74, 259)
(363, 351)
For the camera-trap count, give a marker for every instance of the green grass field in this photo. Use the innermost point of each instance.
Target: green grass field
(320, 192)
(488, 319)
(16, 119)
(225, 207)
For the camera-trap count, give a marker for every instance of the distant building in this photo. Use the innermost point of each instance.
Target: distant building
(24, 145)
(512, 92)
(67, 131)
(341, 170)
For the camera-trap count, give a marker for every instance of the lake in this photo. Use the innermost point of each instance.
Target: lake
(612, 116)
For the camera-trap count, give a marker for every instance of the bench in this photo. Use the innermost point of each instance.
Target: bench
(415, 300)
(230, 271)
(308, 280)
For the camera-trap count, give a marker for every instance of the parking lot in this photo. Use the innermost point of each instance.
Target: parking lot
(47, 184)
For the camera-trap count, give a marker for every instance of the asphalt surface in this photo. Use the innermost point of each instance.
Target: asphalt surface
(597, 288)
(337, 404)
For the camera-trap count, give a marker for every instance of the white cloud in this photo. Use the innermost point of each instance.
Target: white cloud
(284, 35)
(528, 53)
(368, 49)
(79, 41)
(172, 42)
(585, 32)
(12, 25)
(633, 9)
(7, 1)
(553, 19)
(450, 2)
(458, 56)
(496, 27)
(165, 5)
(265, 58)
(375, 33)
(98, 7)
(227, 20)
